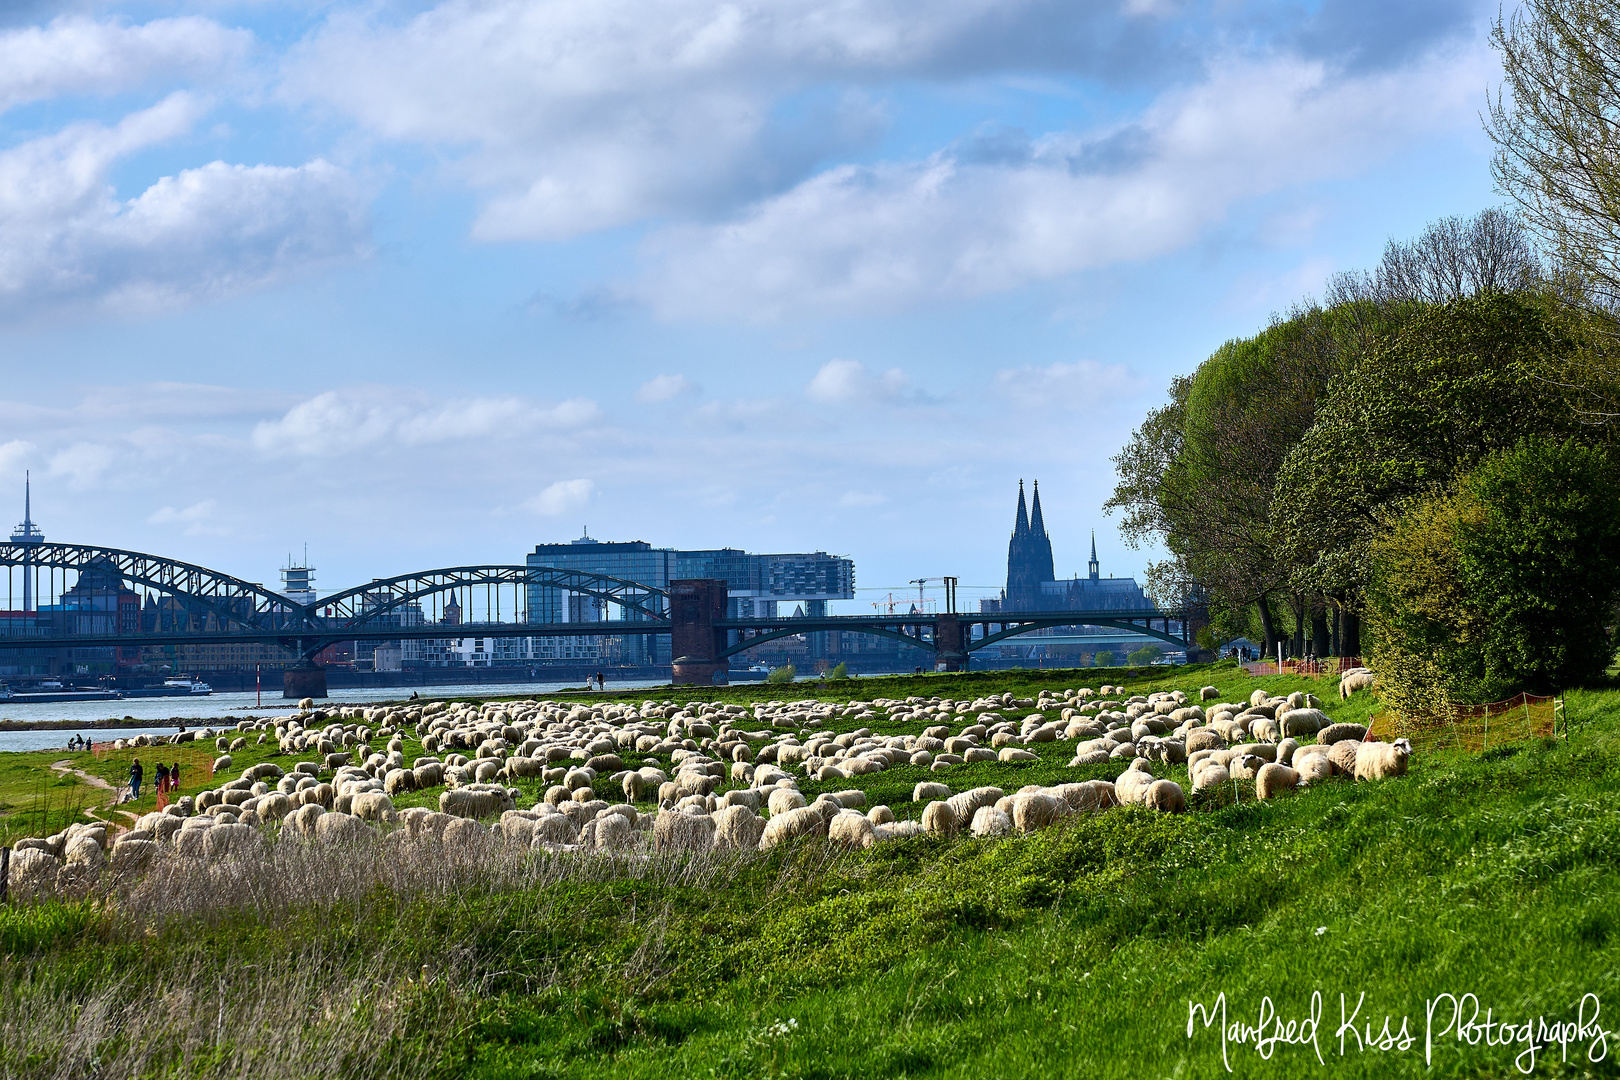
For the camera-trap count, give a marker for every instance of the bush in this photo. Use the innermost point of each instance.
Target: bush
(1505, 584)
(783, 674)
(1144, 656)
(1103, 659)
(839, 672)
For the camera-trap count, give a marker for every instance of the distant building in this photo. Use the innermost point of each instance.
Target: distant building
(1032, 584)
(759, 586)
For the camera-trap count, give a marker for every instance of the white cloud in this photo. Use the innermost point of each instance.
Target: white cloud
(665, 388)
(82, 464)
(198, 519)
(206, 232)
(967, 222)
(562, 497)
(75, 55)
(863, 498)
(14, 456)
(340, 421)
(572, 117)
(1083, 384)
(848, 382)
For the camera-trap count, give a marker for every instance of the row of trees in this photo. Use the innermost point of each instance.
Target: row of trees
(1420, 466)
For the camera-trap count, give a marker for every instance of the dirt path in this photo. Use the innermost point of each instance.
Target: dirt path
(66, 766)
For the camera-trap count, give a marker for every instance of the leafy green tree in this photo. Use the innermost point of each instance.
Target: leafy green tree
(841, 671)
(1103, 659)
(783, 674)
(1508, 583)
(1457, 382)
(1144, 656)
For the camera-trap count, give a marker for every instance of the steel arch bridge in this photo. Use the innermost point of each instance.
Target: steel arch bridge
(219, 608)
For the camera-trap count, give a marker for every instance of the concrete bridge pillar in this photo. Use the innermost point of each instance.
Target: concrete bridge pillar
(950, 641)
(695, 605)
(307, 680)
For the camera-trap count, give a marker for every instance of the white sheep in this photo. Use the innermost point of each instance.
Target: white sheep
(1273, 779)
(1380, 761)
(940, 818)
(1165, 796)
(989, 822)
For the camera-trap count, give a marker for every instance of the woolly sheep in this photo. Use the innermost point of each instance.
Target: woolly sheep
(1296, 722)
(1285, 751)
(1245, 766)
(1273, 779)
(988, 822)
(880, 815)
(1354, 680)
(1336, 733)
(801, 821)
(940, 818)
(1165, 796)
(851, 829)
(614, 832)
(1208, 693)
(336, 828)
(737, 828)
(1380, 761)
(683, 832)
(1033, 810)
(1312, 767)
(1343, 754)
(782, 800)
(33, 874)
(1133, 783)
(964, 804)
(1204, 739)
(1212, 775)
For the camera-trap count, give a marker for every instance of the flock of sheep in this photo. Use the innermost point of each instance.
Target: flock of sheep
(731, 780)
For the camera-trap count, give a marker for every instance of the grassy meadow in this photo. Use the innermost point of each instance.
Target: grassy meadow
(1071, 952)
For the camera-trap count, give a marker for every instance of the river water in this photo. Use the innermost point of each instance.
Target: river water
(228, 709)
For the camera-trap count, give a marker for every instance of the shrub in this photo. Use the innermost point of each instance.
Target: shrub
(1103, 659)
(839, 672)
(1144, 656)
(1506, 583)
(783, 674)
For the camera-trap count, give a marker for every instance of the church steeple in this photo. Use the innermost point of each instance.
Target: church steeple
(1092, 567)
(1029, 556)
(1036, 525)
(1021, 527)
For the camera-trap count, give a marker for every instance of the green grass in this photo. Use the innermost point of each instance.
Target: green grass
(1073, 952)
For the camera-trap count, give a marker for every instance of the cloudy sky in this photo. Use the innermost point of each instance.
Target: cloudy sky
(424, 284)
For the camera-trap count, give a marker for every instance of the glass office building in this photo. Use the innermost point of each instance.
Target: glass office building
(760, 586)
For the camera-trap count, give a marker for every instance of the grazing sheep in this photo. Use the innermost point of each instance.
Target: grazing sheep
(1033, 810)
(336, 828)
(33, 873)
(1166, 797)
(800, 821)
(988, 822)
(966, 803)
(737, 828)
(925, 792)
(781, 800)
(1133, 783)
(880, 815)
(940, 818)
(1208, 693)
(1273, 779)
(554, 829)
(1245, 766)
(683, 832)
(1380, 761)
(1343, 754)
(1285, 751)
(302, 820)
(1204, 739)
(851, 829)
(1336, 733)
(1212, 775)
(1353, 680)
(1312, 767)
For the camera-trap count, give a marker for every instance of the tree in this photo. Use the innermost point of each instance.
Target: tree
(1103, 659)
(783, 674)
(1144, 656)
(1459, 381)
(1557, 134)
(1508, 582)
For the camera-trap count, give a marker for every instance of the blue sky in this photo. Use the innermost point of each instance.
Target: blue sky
(424, 284)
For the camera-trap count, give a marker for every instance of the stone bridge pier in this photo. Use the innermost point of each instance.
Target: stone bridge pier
(950, 642)
(695, 643)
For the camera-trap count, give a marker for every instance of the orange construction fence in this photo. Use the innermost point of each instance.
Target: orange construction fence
(1475, 728)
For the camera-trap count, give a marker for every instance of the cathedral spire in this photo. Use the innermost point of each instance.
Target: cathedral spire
(1092, 567)
(1022, 526)
(1036, 525)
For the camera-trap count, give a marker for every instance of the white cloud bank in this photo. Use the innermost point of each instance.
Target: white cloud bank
(964, 223)
(203, 233)
(562, 497)
(662, 388)
(341, 421)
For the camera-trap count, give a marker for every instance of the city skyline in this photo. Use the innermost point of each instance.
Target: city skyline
(706, 274)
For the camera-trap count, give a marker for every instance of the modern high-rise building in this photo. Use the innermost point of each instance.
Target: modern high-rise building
(760, 586)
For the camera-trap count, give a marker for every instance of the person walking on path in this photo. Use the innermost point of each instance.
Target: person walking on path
(135, 774)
